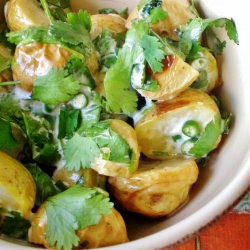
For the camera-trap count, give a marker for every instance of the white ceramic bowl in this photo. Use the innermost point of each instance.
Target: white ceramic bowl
(227, 176)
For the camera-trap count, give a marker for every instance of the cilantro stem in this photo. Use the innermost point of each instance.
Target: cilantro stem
(47, 10)
(9, 83)
(73, 52)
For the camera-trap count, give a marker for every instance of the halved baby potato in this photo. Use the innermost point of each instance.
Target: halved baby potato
(112, 22)
(90, 177)
(111, 168)
(185, 126)
(36, 59)
(110, 230)
(178, 13)
(21, 14)
(206, 64)
(17, 186)
(176, 76)
(157, 188)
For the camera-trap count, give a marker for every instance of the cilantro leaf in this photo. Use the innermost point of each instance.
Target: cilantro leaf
(55, 87)
(5, 63)
(7, 141)
(10, 109)
(105, 137)
(74, 209)
(56, 9)
(14, 225)
(207, 140)
(75, 31)
(80, 152)
(151, 10)
(44, 184)
(78, 68)
(156, 15)
(214, 43)
(43, 147)
(136, 50)
(154, 56)
(117, 81)
(106, 45)
(192, 31)
(36, 33)
(68, 122)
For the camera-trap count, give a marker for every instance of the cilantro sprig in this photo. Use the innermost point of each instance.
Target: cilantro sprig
(81, 150)
(74, 209)
(136, 50)
(55, 87)
(151, 10)
(72, 34)
(190, 34)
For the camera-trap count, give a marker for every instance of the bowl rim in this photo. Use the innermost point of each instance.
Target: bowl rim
(214, 209)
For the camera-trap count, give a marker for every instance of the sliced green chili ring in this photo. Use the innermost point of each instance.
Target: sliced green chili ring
(79, 101)
(191, 128)
(187, 145)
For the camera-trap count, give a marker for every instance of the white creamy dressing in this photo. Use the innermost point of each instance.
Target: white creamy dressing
(140, 113)
(174, 125)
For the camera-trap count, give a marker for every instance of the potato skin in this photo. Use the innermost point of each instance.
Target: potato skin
(112, 22)
(110, 230)
(36, 59)
(155, 130)
(176, 76)
(209, 65)
(157, 188)
(17, 186)
(178, 13)
(22, 14)
(110, 168)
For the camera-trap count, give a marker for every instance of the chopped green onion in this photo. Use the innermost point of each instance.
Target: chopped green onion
(79, 101)
(187, 145)
(191, 128)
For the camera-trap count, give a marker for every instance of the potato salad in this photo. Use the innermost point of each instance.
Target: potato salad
(104, 111)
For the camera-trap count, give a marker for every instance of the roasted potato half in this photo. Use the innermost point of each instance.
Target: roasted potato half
(110, 230)
(112, 22)
(186, 126)
(17, 187)
(206, 65)
(178, 13)
(21, 14)
(157, 188)
(176, 76)
(110, 168)
(90, 177)
(36, 59)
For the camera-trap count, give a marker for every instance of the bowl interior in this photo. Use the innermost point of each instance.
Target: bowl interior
(226, 176)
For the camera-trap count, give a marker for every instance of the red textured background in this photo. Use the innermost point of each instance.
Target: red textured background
(232, 232)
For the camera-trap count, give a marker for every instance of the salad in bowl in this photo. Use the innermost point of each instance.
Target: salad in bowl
(104, 115)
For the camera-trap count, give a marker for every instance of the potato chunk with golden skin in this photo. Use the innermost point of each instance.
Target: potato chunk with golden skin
(69, 178)
(22, 14)
(160, 131)
(110, 168)
(110, 230)
(176, 76)
(17, 187)
(206, 64)
(36, 59)
(178, 13)
(157, 188)
(112, 22)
